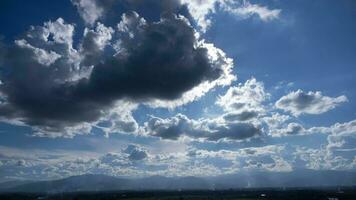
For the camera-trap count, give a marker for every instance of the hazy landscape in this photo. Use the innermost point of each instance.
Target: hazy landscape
(88, 183)
(303, 185)
(345, 193)
(177, 99)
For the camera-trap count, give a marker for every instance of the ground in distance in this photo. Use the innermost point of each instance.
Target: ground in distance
(250, 194)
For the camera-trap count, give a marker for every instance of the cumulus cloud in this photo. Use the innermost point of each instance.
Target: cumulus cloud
(48, 165)
(342, 140)
(94, 10)
(69, 90)
(291, 129)
(94, 43)
(321, 159)
(135, 152)
(247, 96)
(276, 120)
(300, 102)
(164, 55)
(35, 164)
(201, 11)
(337, 151)
(244, 102)
(66, 88)
(246, 115)
(209, 129)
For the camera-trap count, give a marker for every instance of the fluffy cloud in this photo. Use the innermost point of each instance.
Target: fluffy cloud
(64, 88)
(337, 152)
(135, 152)
(166, 58)
(244, 102)
(200, 11)
(210, 129)
(267, 158)
(290, 129)
(54, 165)
(247, 96)
(94, 43)
(342, 140)
(94, 10)
(275, 120)
(300, 102)
(246, 115)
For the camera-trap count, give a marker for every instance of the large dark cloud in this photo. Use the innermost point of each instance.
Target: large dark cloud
(48, 83)
(162, 64)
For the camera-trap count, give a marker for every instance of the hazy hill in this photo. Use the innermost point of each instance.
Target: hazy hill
(300, 178)
(75, 183)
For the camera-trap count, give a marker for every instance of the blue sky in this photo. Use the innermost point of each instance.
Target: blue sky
(131, 88)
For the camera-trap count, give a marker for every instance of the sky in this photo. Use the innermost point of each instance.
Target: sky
(135, 88)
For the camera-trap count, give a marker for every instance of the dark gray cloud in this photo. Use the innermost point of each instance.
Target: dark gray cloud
(163, 64)
(48, 84)
(236, 131)
(215, 129)
(135, 152)
(241, 116)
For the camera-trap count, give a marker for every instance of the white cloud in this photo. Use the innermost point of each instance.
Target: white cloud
(200, 10)
(61, 32)
(247, 96)
(300, 102)
(342, 140)
(42, 56)
(247, 9)
(89, 10)
(67, 132)
(275, 120)
(291, 129)
(93, 45)
(336, 153)
(267, 158)
(321, 159)
(93, 10)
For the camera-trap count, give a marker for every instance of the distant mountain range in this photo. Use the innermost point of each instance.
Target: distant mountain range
(93, 182)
